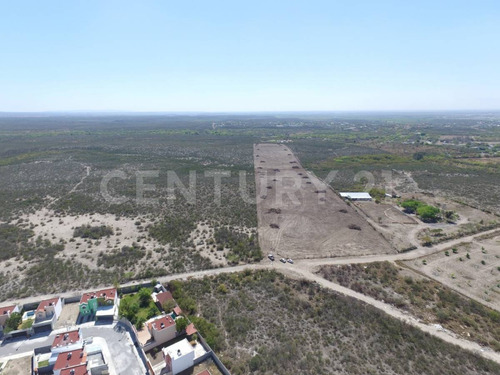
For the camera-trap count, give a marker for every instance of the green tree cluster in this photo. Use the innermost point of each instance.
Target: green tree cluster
(13, 322)
(427, 213)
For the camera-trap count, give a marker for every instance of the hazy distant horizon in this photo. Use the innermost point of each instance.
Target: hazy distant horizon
(229, 112)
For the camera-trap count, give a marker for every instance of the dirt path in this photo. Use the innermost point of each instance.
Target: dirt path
(304, 265)
(305, 269)
(87, 174)
(437, 331)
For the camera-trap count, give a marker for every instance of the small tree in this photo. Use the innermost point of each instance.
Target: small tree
(13, 322)
(168, 305)
(144, 297)
(377, 193)
(429, 214)
(181, 323)
(140, 323)
(410, 206)
(128, 309)
(153, 311)
(222, 288)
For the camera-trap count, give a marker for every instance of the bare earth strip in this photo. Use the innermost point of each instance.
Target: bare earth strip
(301, 217)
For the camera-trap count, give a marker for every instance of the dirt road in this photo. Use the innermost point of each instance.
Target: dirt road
(286, 237)
(305, 269)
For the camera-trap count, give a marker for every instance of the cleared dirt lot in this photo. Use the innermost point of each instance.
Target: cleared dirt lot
(68, 317)
(20, 366)
(300, 217)
(394, 224)
(477, 276)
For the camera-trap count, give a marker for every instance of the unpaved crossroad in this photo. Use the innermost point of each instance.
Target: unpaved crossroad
(305, 269)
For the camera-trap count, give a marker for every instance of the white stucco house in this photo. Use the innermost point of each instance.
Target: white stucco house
(179, 356)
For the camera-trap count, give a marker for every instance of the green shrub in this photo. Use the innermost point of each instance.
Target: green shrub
(181, 324)
(428, 214)
(410, 205)
(13, 322)
(209, 331)
(92, 232)
(377, 193)
(241, 247)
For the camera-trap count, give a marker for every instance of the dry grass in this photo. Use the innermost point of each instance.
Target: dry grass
(469, 276)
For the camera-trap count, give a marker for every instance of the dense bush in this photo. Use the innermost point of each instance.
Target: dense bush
(268, 324)
(427, 213)
(242, 248)
(172, 230)
(209, 331)
(92, 232)
(377, 193)
(426, 299)
(13, 322)
(11, 238)
(410, 206)
(124, 258)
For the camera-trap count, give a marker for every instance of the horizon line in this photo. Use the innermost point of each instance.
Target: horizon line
(195, 112)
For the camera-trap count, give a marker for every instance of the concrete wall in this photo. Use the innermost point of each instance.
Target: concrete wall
(75, 299)
(133, 334)
(211, 353)
(134, 288)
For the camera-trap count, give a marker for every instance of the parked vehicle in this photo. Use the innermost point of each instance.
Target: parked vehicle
(283, 260)
(271, 256)
(290, 260)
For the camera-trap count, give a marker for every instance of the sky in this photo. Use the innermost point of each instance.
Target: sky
(233, 56)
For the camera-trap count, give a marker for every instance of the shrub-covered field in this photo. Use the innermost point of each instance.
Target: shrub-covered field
(424, 298)
(58, 163)
(262, 323)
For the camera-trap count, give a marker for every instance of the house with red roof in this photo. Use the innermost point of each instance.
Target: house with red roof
(161, 298)
(177, 311)
(70, 359)
(190, 329)
(157, 331)
(48, 309)
(162, 329)
(47, 313)
(5, 313)
(67, 341)
(100, 303)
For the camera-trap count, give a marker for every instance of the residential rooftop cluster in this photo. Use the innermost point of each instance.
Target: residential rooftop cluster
(169, 333)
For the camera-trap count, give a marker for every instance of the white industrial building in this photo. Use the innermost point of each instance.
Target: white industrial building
(356, 196)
